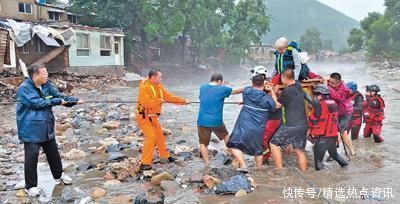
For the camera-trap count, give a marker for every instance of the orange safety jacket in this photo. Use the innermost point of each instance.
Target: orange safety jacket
(151, 97)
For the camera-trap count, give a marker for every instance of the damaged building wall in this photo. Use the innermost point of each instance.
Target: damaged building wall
(96, 50)
(35, 49)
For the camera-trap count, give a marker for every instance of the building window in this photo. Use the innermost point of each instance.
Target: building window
(105, 45)
(24, 49)
(82, 44)
(73, 18)
(25, 8)
(54, 16)
(40, 46)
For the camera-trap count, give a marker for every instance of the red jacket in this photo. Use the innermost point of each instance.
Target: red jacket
(341, 95)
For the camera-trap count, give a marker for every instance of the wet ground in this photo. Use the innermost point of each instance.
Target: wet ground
(373, 171)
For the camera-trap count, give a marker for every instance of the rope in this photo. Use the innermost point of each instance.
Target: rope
(119, 101)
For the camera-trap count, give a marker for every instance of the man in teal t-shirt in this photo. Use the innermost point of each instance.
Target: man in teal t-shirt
(210, 119)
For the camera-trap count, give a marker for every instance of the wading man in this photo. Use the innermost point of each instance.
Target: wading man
(35, 121)
(152, 95)
(210, 118)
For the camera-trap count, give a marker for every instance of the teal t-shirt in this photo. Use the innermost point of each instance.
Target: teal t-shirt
(211, 104)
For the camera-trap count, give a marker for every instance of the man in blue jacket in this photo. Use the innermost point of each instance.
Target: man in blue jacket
(35, 121)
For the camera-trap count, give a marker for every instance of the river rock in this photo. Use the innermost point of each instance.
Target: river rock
(85, 166)
(182, 148)
(115, 156)
(156, 180)
(109, 176)
(109, 141)
(62, 127)
(182, 197)
(112, 183)
(151, 196)
(20, 193)
(74, 154)
(87, 200)
(167, 132)
(111, 125)
(196, 177)
(170, 187)
(210, 181)
(121, 199)
(3, 186)
(68, 195)
(240, 193)
(97, 192)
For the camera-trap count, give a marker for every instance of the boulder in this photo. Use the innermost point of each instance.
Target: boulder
(97, 192)
(156, 180)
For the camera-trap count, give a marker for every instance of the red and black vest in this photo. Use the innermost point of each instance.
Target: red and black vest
(327, 123)
(373, 113)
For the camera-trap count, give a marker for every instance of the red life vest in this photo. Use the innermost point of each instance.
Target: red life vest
(374, 114)
(327, 123)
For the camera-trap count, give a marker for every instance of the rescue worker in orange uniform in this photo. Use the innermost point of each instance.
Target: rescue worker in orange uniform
(152, 95)
(374, 113)
(323, 126)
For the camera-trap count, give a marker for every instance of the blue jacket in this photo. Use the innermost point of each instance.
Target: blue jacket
(283, 60)
(35, 119)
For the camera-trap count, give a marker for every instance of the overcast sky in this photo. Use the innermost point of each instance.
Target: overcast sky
(357, 9)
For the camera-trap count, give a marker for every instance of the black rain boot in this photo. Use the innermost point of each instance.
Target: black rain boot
(319, 165)
(342, 162)
(378, 139)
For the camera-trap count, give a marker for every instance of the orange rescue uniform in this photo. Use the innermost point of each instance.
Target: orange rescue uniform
(148, 108)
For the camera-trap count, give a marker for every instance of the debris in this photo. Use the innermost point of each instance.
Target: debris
(235, 184)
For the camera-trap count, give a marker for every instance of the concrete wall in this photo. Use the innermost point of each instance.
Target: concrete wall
(9, 9)
(94, 58)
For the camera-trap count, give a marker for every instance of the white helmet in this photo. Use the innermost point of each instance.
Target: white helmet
(259, 70)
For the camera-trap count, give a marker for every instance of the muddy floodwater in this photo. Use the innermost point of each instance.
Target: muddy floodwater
(373, 172)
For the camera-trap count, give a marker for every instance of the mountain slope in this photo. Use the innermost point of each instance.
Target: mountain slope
(290, 18)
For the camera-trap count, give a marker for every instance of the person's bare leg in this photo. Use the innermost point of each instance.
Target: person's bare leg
(289, 150)
(347, 141)
(258, 160)
(204, 154)
(301, 159)
(276, 155)
(239, 157)
(226, 139)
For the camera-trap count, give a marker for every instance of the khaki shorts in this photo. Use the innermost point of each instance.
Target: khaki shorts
(205, 133)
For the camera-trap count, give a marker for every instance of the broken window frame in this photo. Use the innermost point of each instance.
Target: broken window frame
(24, 49)
(105, 45)
(40, 46)
(79, 45)
(25, 6)
(54, 15)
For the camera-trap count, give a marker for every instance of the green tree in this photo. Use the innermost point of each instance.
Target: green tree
(356, 39)
(141, 20)
(327, 44)
(245, 25)
(311, 41)
(379, 43)
(368, 21)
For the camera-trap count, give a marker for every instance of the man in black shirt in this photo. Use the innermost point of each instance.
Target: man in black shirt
(294, 121)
